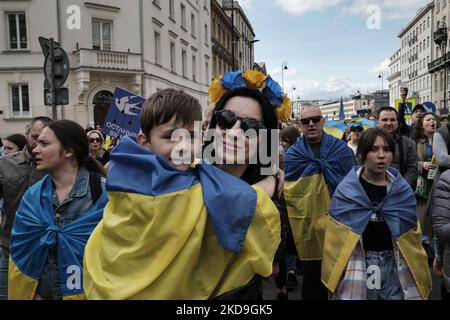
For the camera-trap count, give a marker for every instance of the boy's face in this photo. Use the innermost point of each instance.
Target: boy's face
(180, 151)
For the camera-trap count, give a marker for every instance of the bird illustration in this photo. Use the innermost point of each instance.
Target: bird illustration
(125, 107)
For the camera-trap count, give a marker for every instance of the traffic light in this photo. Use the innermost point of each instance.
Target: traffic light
(56, 71)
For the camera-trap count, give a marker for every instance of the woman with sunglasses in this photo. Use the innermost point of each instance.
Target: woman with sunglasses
(96, 149)
(241, 127)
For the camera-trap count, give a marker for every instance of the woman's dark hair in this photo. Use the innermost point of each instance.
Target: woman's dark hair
(72, 136)
(418, 133)
(269, 119)
(289, 135)
(367, 140)
(18, 139)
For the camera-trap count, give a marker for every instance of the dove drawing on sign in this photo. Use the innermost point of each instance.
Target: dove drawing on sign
(125, 107)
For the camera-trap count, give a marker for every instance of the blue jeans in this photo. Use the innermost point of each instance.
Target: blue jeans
(382, 276)
(4, 260)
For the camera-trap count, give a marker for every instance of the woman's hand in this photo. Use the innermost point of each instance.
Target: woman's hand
(427, 165)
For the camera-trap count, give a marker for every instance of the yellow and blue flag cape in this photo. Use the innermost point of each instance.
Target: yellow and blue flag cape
(350, 212)
(34, 232)
(309, 184)
(171, 234)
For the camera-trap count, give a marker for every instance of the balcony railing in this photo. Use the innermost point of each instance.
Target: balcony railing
(439, 62)
(111, 60)
(440, 35)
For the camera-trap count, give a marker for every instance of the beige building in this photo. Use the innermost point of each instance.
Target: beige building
(244, 44)
(141, 46)
(221, 38)
(439, 66)
(416, 53)
(394, 77)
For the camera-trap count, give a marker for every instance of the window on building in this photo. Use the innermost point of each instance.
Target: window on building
(192, 24)
(101, 35)
(172, 9)
(183, 16)
(20, 101)
(17, 31)
(194, 68)
(441, 87)
(184, 63)
(172, 57)
(428, 22)
(207, 72)
(157, 48)
(206, 33)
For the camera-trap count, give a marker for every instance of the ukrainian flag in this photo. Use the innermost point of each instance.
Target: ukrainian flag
(350, 212)
(34, 232)
(309, 184)
(171, 234)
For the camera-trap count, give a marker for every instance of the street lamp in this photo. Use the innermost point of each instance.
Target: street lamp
(252, 61)
(382, 81)
(283, 67)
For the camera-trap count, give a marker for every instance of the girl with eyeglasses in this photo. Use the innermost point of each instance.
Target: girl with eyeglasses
(96, 149)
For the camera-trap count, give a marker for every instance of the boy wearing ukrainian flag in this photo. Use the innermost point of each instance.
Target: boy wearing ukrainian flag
(172, 230)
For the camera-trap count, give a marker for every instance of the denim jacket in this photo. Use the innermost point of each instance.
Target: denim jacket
(78, 201)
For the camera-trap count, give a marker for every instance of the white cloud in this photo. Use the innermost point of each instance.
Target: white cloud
(383, 67)
(332, 88)
(390, 9)
(299, 7)
(245, 4)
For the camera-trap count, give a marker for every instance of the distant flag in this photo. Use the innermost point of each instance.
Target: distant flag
(341, 111)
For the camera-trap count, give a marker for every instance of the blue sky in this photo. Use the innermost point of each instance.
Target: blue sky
(327, 44)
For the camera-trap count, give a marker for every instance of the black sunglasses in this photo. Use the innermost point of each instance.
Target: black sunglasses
(91, 140)
(306, 121)
(226, 119)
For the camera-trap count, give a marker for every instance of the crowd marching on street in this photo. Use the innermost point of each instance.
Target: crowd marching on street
(178, 214)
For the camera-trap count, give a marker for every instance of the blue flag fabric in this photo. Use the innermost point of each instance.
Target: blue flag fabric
(34, 232)
(336, 160)
(351, 206)
(153, 176)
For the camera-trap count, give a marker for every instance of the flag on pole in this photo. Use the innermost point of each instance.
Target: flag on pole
(341, 110)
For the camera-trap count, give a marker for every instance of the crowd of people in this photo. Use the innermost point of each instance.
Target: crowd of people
(365, 217)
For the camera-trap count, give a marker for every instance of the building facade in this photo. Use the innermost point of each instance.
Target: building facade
(244, 44)
(141, 46)
(394, 77)
(416, 53)
(222, 35)
(439, 66)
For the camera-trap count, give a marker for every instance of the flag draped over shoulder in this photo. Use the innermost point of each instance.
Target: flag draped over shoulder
(350, 212)
(309, 184)
(171, 234)
(34, 232)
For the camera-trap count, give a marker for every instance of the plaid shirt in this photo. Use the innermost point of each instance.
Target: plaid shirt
(353, 286)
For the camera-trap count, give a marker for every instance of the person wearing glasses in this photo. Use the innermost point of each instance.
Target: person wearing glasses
(96, 149)
(175, 228)
(243, 124)
(314, 166)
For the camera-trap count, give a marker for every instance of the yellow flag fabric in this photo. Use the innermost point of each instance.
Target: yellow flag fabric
(165, 247)
(308, 202)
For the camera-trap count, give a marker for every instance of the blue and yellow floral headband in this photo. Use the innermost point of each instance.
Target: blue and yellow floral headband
(253, 80)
